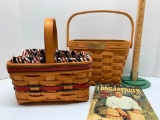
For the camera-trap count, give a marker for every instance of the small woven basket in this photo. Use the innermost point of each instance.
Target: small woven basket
(109, 56)
(41, 82)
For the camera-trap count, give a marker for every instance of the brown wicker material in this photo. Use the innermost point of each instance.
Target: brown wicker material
(72, 95)
(109, 56)
(50, 81)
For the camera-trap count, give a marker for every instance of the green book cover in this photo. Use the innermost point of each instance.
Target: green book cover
(113, 102)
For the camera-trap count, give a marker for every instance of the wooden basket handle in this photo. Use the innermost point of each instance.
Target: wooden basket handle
(95, 11)
(50, 39)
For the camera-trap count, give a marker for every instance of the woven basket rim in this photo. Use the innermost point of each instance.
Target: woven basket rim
(10, 64)
(48, 67)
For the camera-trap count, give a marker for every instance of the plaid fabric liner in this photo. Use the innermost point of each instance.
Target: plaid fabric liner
(61, 56)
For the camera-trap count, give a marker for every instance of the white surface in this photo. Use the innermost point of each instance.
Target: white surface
(22, 27)
(10, 110)
(157, 66)
(10, 33)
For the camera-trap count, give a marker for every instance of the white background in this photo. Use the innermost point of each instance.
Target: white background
(21, 27)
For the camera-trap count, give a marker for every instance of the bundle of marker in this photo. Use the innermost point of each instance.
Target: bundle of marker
(61, 56)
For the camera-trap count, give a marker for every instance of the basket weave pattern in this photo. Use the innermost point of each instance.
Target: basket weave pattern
(108, 66)
(42, 82)
(50, 78)
(51, 86)
(109, 56)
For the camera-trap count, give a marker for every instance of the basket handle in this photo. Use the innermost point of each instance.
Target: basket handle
(95, 11)
(50, 39)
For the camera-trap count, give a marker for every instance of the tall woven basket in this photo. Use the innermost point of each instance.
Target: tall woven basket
(42, 82)
(109, 56)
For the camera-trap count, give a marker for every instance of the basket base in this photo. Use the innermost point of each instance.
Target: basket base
(85, 99)
(61, 96)
(140, 82)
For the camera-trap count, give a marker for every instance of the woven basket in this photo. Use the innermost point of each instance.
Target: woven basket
(109, 56)
(50, 81)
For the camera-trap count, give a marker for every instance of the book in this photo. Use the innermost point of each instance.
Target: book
(113, 102)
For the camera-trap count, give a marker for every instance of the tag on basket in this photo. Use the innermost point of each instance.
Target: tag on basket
(96, 46)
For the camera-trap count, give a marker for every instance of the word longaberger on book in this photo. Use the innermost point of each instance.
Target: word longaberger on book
(111, 102)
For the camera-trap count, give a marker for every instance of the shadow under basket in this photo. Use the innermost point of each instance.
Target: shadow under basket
(42, 82)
